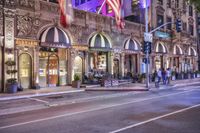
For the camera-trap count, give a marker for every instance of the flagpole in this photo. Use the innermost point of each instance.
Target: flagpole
(101, 7)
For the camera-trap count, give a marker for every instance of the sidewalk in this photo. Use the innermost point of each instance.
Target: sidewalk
(39, 92)
(68, 89)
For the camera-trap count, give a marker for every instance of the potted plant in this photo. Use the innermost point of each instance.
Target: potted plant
(141, 78)
(11, 83)
(76, 83)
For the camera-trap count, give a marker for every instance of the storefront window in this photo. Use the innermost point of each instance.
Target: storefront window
(99, 61)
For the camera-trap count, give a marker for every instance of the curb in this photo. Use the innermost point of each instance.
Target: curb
(38, 95)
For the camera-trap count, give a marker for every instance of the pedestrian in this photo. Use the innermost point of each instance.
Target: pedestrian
(156, 79)
(164, 76)
(168, 74)
(159, 74)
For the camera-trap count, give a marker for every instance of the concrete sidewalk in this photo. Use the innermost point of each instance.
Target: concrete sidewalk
(39, 92)
(68, 89)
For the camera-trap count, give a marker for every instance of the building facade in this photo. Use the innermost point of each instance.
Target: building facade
(49, 55)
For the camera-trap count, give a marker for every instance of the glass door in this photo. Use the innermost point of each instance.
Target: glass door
(25, 68)
(53, 68)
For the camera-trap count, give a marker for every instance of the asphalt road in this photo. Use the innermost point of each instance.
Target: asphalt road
(166, 111)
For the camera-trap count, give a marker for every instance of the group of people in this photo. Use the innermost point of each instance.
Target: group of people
(164, 75)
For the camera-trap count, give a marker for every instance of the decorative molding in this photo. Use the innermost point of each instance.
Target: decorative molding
(9, 3)
(27, 26)
(27, 4)
(9, 32)
(160, 10)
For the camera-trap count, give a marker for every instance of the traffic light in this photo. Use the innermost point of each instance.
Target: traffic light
(178, 25)
(147, 47)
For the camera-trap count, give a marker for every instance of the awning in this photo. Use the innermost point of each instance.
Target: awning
(55, 37)
(99, 42)
(192, 51)
(132, 44)
(177, 50)
(161, 48)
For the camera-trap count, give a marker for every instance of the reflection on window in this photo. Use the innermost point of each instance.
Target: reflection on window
(160, 20)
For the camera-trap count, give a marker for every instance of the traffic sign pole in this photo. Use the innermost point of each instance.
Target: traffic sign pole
(147, 53)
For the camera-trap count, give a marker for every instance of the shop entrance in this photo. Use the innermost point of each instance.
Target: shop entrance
(53, 70)
(52, 67)
(25, 69)
(159, 62)
(78, 66)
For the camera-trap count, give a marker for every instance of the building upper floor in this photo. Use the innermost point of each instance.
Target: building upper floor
(160, 13)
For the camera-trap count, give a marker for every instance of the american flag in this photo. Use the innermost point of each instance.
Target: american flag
(116, 5)
(66, 12)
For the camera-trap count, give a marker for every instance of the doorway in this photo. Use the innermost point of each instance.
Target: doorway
(25, 69)
(53, 69)
(78, 67)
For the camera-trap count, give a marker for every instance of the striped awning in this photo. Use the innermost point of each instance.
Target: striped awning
(132, 44)
(54, 37)
(161, 48)
(99, 42)
(177, 50)
(192, 51)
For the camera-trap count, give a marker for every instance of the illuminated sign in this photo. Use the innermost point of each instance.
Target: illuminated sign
(26, 42)
(80, 47)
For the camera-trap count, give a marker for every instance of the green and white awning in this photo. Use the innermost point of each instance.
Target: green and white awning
(161, 48)
(192, 51)
(99, 42)
(177, 50)
(132, 44)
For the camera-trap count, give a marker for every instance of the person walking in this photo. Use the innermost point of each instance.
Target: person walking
(164, 76)
(159, 74)
(168, 74)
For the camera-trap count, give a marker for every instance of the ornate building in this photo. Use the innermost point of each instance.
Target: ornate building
(49, 55)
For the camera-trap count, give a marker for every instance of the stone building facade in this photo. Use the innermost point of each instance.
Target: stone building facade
(49, 55)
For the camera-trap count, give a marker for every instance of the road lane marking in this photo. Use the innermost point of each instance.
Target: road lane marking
(94, 109)
(154, 119)
(39, 100)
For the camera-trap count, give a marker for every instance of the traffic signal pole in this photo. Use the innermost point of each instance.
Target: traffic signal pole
(147, 53)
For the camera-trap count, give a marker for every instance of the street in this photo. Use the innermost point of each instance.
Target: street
(155, 111)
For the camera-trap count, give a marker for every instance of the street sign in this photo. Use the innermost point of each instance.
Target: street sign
(148, 37)
(162, 34)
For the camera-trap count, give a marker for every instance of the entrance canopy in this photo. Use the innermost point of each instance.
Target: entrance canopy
(132, 44)
(99, 42)
(161, 48)
(192, 51)
(54, 37)
(177, 50)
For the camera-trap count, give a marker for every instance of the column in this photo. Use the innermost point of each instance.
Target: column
(9, 28)
(86, 63)
(35, 76)
(122, 64)
(110, 62)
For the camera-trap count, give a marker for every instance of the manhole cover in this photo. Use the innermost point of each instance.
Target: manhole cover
(56, 97)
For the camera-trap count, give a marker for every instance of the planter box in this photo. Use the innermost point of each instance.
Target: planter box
(106, 83)
(115, 82)
(11, 88)
(76, 84)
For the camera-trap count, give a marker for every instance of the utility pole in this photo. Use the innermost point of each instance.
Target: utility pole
(147, 53)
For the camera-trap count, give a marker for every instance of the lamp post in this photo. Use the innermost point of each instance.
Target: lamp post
(146, 31)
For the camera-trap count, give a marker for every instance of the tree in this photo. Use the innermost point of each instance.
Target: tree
(196, 3)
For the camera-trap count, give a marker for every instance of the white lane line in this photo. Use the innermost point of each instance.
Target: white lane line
(153, 119)
(94, 109)
(39, 100)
